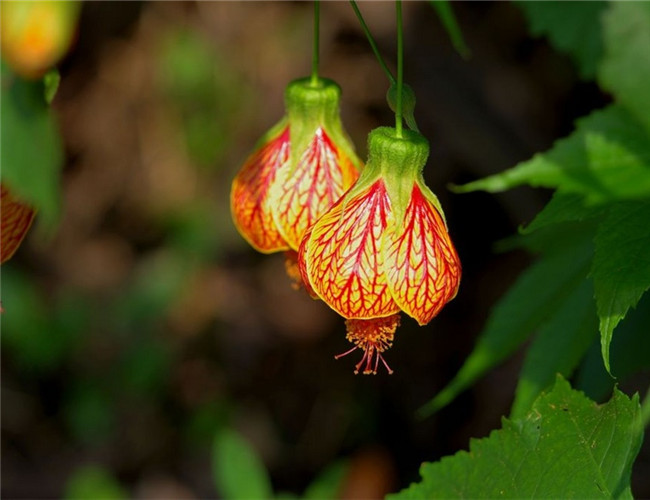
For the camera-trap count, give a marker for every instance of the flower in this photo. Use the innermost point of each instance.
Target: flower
(382, 248)
(299, 169)
(15, 220)
(35, 35)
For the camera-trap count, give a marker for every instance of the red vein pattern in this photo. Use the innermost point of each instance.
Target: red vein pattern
(15, 220)
(422, 266)
(320, 178)
(343, 258)
(250, 200)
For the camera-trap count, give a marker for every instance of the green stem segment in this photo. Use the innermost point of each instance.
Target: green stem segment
(314, 61)
(372, 42)
(400, 69)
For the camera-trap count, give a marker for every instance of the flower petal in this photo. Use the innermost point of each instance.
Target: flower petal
(322, 174)
(14, 223)
(250, 200)
(422, 266)
(343, 257)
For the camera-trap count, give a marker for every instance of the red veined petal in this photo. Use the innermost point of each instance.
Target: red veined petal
(250, 200)
(302, 267)
(343, 257)
(422, 266)
(301, 196)
(15, 220)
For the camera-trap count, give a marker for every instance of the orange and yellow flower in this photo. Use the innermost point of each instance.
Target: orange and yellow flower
(35, 35)
(15, 219)
(300, 168)
(383, 248)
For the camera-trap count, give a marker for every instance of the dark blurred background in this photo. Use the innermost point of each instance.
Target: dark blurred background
(145, 323)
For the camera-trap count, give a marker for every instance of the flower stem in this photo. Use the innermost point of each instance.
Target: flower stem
(314, 60)
(372, 42)
(400, 69)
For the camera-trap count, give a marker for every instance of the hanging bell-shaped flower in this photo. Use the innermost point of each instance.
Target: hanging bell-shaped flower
(298, 170)
(383, 248)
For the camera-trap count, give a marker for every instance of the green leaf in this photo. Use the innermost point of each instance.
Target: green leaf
(93, 482)
(625, 68)
(563, 207)
(529, 303)
(89, 411)
(629, 354)
(38, 337)
(51, 81)
(328, 483)
(606, 158)
(31, 153)
(448, 19)
(621, 266)
(238, 471)
(572, 27)
(558, 347)
(566, 447)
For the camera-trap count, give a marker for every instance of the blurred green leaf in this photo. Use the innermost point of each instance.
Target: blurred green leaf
(192, 230)
(572, 27)
(625, 68)
(89, 411)
(529, 303)
(558, 347)
(31, 153)
(205, 91)
(38, 335)
(566, 447)
(563, 207)
(238, 471)
(285, 495)
(328, 483)
(606, 158)
(204, 421)
(93, 482)
(621, 266)
(145, 367)
(155, 285)
(51, 82)
(448, 19)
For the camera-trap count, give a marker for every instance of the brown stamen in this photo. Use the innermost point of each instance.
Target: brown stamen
(293, 271)
(374, 336)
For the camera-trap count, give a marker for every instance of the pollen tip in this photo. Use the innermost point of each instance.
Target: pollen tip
(374, 336)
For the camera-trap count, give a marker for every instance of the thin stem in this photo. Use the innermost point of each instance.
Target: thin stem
(314, 60)
(400, 69)
(372, 43)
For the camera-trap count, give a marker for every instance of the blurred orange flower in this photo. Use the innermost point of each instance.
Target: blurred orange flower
(15, 219)
(35, 35)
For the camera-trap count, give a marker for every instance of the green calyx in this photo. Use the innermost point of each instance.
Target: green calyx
(399, 161)
(310, 106)
(307, 102)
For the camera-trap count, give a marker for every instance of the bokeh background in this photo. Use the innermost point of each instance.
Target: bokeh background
(144, 324)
